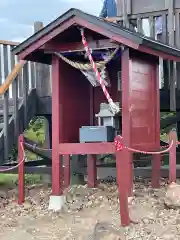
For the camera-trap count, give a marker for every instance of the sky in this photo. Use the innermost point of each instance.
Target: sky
(17, 16)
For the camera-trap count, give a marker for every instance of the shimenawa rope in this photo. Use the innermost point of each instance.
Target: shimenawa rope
(87, 66)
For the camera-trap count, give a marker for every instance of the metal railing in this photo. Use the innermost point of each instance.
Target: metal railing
(7, 63)
(17, 79)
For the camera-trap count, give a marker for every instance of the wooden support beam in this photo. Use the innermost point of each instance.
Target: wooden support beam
(113, 19)
(123, 183)
(125, 13)
(6, 106)
(127, 7)
(42, 72)
(156, 171)
(171, 21)
(139, 25)
(152, 26)
(86, 148)
(172, 68)
(57, 124)
(42, 84)
(126, 117)
(164, 55)
(78, 46)
(164, 28)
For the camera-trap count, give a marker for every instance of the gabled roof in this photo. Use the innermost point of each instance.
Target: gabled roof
(113, 30)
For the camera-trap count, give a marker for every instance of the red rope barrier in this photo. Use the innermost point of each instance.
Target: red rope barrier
(125, 173)
(119, 146)
(16, 166)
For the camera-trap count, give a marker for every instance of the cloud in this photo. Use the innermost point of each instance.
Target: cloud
(2, 20)
(40, 10)
(13, 31)
(18, 40)
(17, 17)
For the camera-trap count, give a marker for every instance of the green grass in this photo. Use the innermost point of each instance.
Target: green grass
(8, 179)
(12, 179)
(164, 137)
(36, 136)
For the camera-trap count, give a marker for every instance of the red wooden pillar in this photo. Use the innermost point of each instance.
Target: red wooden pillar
(126, 118)
(129, 158)
(21, 170)
(156, 170)
(172, 157)
(124, 157)
(122, 169)
(57, 128)
(92, 170)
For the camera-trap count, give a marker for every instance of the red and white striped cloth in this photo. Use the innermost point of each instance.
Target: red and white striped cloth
(114, 108)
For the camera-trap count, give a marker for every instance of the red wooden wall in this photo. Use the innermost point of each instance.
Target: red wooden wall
(76, 100)
(140, 100)
(79, 102)
(143, 103)
(141, 110)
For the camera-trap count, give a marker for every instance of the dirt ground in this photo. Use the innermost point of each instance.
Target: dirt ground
(90, 214)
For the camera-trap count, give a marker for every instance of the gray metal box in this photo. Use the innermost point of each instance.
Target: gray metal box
(96, 134)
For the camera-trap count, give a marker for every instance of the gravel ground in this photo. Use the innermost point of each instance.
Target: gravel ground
(88, 211)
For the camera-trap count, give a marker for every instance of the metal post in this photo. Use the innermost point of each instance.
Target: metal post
(21, 170)
(172, 156)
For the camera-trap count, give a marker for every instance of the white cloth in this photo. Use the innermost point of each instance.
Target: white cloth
(91, 76)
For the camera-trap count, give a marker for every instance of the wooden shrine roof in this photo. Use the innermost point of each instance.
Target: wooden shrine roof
(117, 33)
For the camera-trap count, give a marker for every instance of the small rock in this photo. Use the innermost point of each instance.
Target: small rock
(130, 200)
(27, 205)
(3, 194)
(169, 236)
(31, 230)
(146, 220)
(12, 193)
(172, 198)
(76, 206)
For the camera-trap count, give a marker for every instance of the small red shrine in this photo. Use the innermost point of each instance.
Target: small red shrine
(75, 102)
